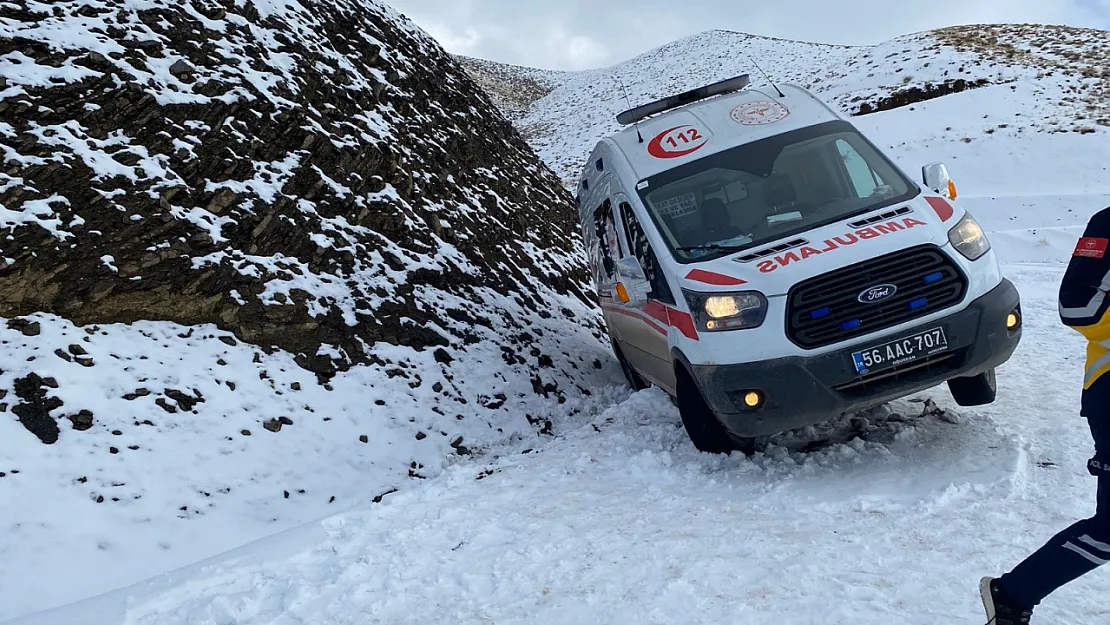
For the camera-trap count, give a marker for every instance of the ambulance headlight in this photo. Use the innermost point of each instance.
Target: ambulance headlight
(714, 312)
(968, 238)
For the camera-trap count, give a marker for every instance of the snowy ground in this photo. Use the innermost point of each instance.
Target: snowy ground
(619, 520)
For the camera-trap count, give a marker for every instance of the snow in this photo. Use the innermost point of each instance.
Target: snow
(615, 518)
(40, 212)
(209, 477)
(619, 520)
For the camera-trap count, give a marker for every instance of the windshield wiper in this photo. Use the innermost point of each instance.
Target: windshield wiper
(711, 246)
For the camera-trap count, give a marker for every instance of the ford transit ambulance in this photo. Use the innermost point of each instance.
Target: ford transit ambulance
(760, 260)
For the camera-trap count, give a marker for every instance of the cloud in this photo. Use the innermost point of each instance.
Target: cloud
(579, 34)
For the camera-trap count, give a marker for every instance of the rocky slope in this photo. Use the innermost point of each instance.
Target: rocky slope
(296, 182)
(262, 259)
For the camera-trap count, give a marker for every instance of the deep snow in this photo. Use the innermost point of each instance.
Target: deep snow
(618, 519)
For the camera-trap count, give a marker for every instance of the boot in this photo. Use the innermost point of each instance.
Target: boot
(1001, 609)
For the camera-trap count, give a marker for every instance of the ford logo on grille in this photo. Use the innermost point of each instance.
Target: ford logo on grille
(877, 293)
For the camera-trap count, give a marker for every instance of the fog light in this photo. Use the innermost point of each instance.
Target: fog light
(1013, 320)
(753, 399)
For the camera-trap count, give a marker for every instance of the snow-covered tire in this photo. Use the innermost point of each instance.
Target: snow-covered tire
(634, 380)
(706, 432)
(974, 391)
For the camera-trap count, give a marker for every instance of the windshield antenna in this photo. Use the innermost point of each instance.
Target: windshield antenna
(636, 125)
(777, 90)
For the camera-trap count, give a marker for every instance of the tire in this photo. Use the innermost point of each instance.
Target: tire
(634, 380)
(706, 432)
(975, 391)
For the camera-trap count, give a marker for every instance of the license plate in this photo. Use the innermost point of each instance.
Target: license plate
(900, 352)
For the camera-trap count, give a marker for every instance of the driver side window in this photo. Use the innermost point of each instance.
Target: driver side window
(605, 228)
(863, 178)
(641, 249)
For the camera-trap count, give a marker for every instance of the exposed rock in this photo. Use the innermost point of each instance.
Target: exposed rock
(185, 402)
(28, 328)
(181, 68)
(34, 408)
(273, 425)
(82, 421)
(915, 94)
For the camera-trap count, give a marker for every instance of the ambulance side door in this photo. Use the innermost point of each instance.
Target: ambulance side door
(609, 249)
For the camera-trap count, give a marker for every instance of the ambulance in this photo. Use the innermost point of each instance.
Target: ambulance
(762, 262)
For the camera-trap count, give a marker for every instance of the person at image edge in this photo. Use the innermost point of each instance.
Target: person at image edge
(1083, 547)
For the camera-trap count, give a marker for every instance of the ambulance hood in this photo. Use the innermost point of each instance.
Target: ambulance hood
(773, 268)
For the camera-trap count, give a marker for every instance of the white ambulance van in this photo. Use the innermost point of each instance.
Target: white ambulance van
(766, 265)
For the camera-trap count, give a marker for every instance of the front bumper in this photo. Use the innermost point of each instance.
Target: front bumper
(800, 391)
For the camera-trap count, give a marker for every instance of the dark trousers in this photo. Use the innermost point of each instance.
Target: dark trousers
(1085, 545)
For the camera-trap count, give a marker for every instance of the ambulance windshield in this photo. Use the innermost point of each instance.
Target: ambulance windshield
(769, 189)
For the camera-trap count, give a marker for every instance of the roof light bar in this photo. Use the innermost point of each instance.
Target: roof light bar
(728, 85)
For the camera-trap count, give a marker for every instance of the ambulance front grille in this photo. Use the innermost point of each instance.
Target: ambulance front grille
(826, 309)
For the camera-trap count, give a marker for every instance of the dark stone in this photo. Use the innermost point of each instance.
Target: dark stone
(182, 68)
(34, 408)
(364, 438)
(285, 420)
(421, 436)
(185, 402)
(82, 421)
(272, 425)
(28, 328)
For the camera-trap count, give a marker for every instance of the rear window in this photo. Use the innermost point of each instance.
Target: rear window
(770, 189)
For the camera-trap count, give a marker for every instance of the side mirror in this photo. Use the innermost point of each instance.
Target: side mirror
(935, 176)
(633, 286)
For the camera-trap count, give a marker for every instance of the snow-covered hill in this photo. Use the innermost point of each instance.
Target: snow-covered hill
(264, 261)
(1050, 79)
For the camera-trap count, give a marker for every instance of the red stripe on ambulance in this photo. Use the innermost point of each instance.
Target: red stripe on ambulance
(941, 206)
(717, 279)
(655, 313)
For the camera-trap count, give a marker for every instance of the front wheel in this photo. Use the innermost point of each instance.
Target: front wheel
(976, 390)
(704, 429)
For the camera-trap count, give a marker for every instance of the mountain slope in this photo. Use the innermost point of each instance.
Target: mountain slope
(264, 260)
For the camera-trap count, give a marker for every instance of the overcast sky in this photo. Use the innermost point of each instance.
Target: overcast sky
(580, 34)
